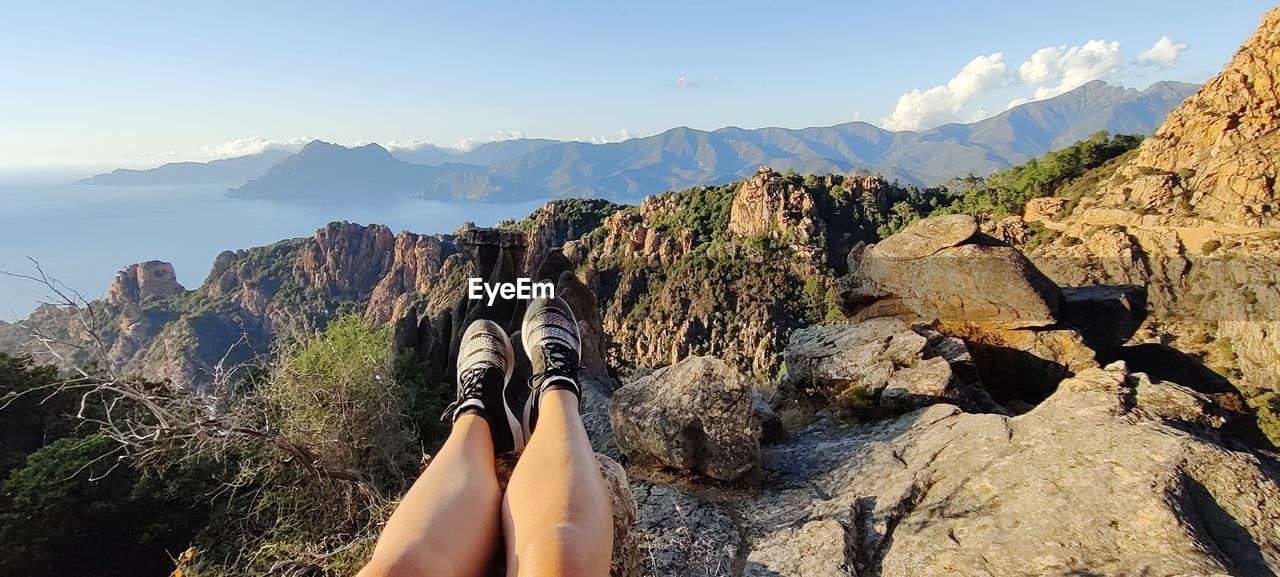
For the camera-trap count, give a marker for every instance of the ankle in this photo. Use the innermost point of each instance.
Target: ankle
(472, 418)
(565, 400)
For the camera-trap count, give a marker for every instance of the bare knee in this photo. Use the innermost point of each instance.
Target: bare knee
(568, 550)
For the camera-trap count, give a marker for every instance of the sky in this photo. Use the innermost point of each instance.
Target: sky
(140, 83)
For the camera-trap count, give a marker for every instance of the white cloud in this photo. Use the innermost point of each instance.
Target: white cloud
(977, 115)
(1058, 69)
(253, 145)
(410, 144)
(686, 82)
(1018, 102)
(918, 110)
(471, 143)
(1164, 53)
(622, 135)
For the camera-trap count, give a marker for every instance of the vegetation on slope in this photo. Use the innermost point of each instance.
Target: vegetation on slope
(1007, 192)
(235, 475)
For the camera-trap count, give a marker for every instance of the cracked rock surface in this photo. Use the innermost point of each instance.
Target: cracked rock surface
(1105, 477)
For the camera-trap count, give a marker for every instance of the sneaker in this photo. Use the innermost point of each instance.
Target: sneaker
(484, 374)
(550, 336)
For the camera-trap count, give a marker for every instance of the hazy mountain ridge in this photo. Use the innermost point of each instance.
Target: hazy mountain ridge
(682, 157)
(487, 153)
(227, 170)
(322, 171)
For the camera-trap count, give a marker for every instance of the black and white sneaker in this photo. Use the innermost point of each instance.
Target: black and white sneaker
(549, 333)
(484, 375)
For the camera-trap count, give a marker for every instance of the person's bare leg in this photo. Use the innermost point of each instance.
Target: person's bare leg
(557, 517)
(447, 525)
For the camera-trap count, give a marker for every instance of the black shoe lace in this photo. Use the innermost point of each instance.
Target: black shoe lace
(472, 383)
(557, 362)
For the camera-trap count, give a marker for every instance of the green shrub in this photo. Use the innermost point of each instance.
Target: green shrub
(337, 394)
(74, 509)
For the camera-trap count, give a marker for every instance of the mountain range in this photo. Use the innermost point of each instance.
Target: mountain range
(526, 169)
(227, 170)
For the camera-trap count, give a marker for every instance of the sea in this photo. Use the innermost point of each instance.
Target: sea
(82, 235)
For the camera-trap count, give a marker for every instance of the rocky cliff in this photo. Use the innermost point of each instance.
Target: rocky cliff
(150, 326)
(1193, 216)
(727, 270)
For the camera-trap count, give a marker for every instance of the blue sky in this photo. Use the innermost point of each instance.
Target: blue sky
(142, 83)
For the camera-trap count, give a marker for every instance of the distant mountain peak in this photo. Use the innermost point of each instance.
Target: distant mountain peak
(680, 157)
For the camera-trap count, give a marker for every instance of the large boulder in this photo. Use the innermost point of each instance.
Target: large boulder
(1105, 315)
(942, 268)
(975, 287)
(928, 236)
(694, 415)
(1115, 474)
(883, 363)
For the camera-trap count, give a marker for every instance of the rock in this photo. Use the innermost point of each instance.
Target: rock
(853, 260)
(927, 236)
(1012, 230)
(1163, 363)
(405, 322)
(767, 205)
(1195, 204)
(144, 281)
(816, 547)
(637, 235)
(626, 543)
(937, 277)
(770, 426)
(882, 362)
(1214, 158)
(347, 259)
(1024, 365)
(576, 251)
(1105, 315)
(680, 534)
(1175, 403)
(978, 289)
(597, 396)
(693, 415)
(1046, 209)
(415, 261)
(221, 264)
(1096, 480)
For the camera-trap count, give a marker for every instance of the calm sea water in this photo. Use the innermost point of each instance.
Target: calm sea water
(82, 235)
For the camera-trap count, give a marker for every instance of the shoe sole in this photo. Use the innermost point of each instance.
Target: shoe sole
(513, 423)
(526, 428)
